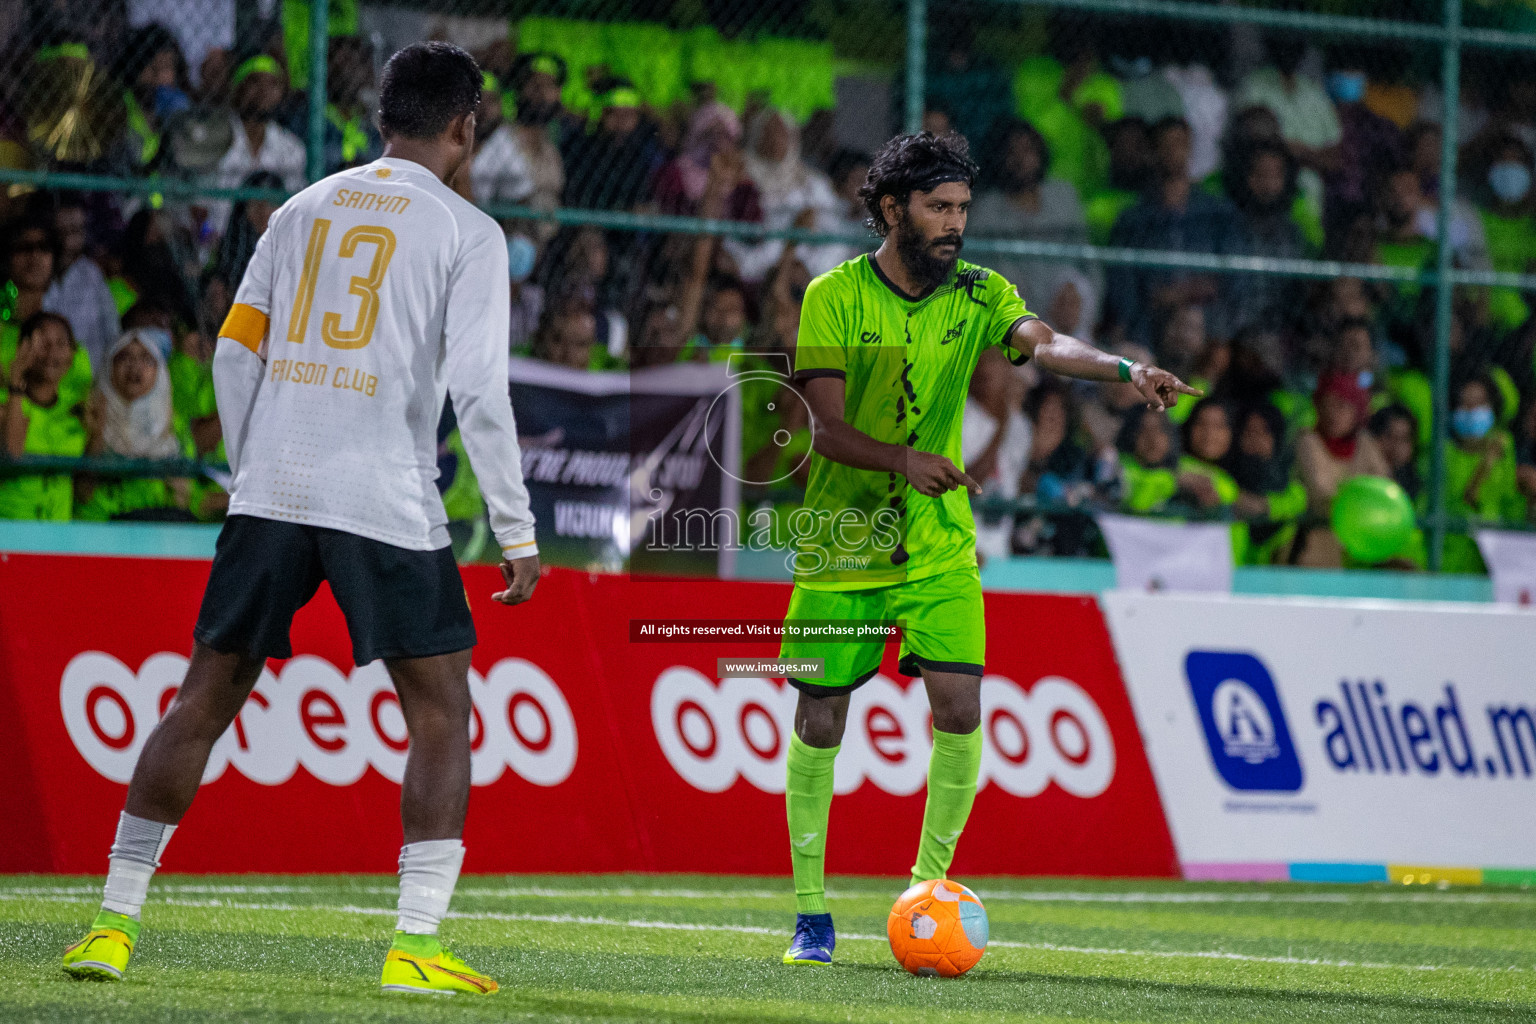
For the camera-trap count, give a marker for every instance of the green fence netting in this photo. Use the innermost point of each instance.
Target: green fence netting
(1359, 163)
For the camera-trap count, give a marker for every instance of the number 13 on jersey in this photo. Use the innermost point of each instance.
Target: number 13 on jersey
(365, 288)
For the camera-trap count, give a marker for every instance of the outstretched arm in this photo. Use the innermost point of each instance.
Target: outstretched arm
(1066, 356)
(833, 437)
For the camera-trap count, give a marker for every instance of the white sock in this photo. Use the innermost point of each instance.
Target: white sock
(428, 873)
(135, 855)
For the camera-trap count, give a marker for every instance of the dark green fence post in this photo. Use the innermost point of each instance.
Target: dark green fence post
(319, 63)
(917, 62)
(1450, 73)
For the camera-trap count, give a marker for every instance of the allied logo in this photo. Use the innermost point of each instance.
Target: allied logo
(383, 172)
(1245, 726)
(870, 338)
(953, 334)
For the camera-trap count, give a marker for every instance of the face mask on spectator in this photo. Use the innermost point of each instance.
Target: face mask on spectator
(1131, 67)
(169, 101)
(1366, 379)
(1346, 86)
(1510, 180)
(1473, 424)
(521, 254)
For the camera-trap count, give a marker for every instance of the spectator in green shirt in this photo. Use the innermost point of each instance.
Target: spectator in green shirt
(152, 72)
(1481, 477)
(1129, 143)
(28, 263)
(1271, 497)
(38, 419)
(1149, 458)
(1207, 447)
(1257, 372)
(1396, 431)
(1508, 211)
(1203, 476)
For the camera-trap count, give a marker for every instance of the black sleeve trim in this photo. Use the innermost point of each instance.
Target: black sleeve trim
(1009, 334)
(827, 372)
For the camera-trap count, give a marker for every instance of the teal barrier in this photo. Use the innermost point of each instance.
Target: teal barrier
(1027, 575)
(141, 540)
(1096, 575)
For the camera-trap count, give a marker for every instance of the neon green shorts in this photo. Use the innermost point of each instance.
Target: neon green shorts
(943, 629)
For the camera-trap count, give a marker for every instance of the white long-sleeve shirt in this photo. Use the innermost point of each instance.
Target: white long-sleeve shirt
(373, 294)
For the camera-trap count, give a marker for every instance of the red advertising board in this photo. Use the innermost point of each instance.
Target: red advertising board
(590, 752)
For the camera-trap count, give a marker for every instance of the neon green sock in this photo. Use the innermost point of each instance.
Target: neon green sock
(119, 922)
(952, 774)
(417, 945)
(808, 800)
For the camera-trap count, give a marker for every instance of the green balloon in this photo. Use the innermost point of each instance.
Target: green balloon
(1373, 518)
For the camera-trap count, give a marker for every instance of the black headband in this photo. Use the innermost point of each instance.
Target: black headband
(942, 176)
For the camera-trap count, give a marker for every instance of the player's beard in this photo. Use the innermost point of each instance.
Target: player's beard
(921, 256)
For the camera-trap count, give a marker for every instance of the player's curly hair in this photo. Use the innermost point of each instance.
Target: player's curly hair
(914, 163)
(425, 86)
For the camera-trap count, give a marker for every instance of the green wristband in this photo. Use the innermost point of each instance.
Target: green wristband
(1125, 369)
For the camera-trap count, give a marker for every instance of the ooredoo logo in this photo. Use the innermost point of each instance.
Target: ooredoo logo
(311, 714)
(712, 734)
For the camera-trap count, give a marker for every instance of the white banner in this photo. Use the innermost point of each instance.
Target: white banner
(1511, 559)
(1154, 555)
(1335, 732)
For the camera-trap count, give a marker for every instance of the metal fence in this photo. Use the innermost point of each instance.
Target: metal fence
(208, 111)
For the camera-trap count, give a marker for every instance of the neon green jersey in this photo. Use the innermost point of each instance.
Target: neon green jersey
(907, 365)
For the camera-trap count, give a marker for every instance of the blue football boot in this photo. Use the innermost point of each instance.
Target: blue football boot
(815, 939)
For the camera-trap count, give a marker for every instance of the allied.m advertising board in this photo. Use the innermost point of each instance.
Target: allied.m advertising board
(1335, 739)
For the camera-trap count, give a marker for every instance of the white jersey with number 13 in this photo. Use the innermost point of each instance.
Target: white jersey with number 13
(372, 294)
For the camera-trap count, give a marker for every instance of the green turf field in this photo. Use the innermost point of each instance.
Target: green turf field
(590, 948)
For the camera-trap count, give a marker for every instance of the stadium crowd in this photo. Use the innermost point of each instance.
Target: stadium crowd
(1142, 135)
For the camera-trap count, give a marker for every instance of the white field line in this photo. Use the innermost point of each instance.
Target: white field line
(741, 929)
(1263, 897)
(239, 889)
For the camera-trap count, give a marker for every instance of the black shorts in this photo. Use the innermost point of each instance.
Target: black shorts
(398, 603)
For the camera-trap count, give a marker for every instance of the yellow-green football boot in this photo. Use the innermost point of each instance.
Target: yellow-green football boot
(103, 954)
(419, 963)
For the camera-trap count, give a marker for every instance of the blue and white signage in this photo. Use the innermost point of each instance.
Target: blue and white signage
(1346, 732)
